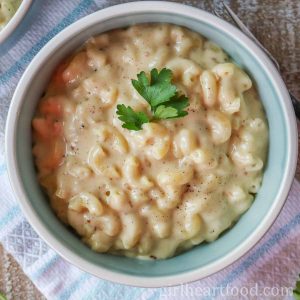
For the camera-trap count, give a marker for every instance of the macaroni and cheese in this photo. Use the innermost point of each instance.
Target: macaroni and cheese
(158, 191)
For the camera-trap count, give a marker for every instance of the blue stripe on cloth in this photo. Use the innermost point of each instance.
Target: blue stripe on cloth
(74, 287)
(95, 293)
(2, 169)
(12, 213)
(273, 240)
(28, 56)
(44, 268)
(155, 295)
(137, 292)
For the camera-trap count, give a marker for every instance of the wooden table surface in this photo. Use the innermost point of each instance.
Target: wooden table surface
(276, 25)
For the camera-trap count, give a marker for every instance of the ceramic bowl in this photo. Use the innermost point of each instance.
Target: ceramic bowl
(15, 20)
(204, 259)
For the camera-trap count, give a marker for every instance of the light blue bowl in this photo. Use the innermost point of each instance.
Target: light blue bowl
(202, 260)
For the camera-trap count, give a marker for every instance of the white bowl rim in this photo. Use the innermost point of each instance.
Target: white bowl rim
(154, 7)
(15, 20)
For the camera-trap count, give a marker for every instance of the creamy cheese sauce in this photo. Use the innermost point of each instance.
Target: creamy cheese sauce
(172, 185)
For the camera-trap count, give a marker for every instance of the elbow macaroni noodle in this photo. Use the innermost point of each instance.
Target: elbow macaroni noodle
(176, 183)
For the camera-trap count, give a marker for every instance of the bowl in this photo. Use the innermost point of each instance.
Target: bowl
(205, 259)
(15, 20)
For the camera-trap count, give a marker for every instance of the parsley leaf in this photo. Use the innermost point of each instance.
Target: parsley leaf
(132, 120)
(172, 109)
(2, 296)
(179, 102)
(296, 291)
(164, 100)
(158, 90)
(163, 112)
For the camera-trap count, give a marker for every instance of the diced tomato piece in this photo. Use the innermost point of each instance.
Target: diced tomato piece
(47, 128)
(41, 127)
(57, 128)
(57, 77)
(76, 69)
(55, 155)
(51, 106)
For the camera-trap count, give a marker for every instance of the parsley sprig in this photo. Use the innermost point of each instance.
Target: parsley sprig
(296, 291)
(132, 120)
(2, 296)
(163, 97)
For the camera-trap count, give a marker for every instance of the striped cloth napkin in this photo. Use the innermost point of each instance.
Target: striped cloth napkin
(268, 271)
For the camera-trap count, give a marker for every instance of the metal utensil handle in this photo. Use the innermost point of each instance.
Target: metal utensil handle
(296, 104)
(244, 28)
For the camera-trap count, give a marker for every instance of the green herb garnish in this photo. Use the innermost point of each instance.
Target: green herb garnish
(2, 296)
(132, 120)
(296, 291)
(162, 96)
